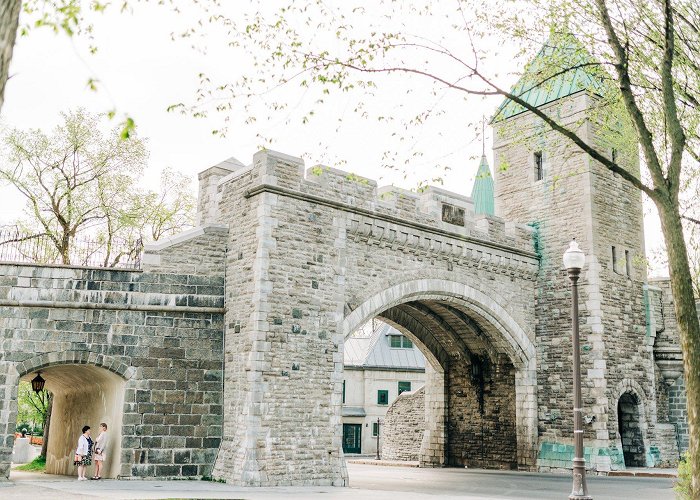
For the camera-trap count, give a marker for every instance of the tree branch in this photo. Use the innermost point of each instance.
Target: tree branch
(645, 137)
(670, 111)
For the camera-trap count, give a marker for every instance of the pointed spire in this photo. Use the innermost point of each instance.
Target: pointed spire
(544, 81)
(482, 192)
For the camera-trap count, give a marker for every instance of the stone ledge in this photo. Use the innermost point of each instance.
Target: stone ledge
(184, 236)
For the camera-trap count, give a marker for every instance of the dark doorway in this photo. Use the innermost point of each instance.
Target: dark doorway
(352, 438)
(630, 430)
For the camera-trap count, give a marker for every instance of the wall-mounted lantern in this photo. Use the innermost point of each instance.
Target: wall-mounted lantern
(38, 383)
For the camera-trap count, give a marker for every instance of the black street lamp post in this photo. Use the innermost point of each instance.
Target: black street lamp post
(378, 424)
(574, 259)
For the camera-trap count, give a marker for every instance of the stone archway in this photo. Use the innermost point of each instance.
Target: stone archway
(88, 389)
(482, 385)
(631, 438)
(630, 414)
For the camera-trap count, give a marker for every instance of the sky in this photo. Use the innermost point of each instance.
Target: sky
(140, 71)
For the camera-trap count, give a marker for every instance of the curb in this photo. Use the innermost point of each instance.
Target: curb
(625, 473)
(383, 463)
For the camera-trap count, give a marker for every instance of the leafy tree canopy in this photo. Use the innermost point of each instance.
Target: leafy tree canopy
(82, 183)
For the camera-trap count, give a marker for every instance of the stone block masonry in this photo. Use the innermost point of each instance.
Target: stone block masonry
(402, 433)
(314, 254)
(252, 393)
(575, 196)
(159, 334)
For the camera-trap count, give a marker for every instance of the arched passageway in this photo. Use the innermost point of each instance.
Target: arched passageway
(82, 395)
(480, 409)
(631, 435)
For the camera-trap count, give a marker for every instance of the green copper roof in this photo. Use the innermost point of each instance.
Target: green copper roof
(561, 68)
(482, 192)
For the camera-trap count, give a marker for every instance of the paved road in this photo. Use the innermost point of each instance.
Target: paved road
(484, 484)
(366, 481)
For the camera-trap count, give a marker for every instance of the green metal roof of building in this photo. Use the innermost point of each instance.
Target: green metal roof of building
(482, 192)
(558, 70)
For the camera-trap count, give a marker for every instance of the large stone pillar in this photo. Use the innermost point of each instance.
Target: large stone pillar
(283, 351)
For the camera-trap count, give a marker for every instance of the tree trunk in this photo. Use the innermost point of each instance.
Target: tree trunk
(688, 325)
(65, 247)
(47, 424)
(9, 20)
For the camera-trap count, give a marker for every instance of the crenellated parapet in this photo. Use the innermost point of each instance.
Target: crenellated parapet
(433, 223)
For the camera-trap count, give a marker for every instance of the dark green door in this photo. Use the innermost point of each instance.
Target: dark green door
(352, 438)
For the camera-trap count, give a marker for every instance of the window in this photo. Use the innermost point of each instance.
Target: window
(382, 397)
(404, 387)
(628, 263)
(399, 341)
(375, 429)
(539, 166)
(614, 259)
(343, 391)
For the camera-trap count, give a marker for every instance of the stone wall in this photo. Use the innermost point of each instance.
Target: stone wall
(482, 417)
(162, 334)
(209, 195)
(669, 360)
(678, 413)
(404, 424)
(311, 257)
(200, 251)
(579, 198)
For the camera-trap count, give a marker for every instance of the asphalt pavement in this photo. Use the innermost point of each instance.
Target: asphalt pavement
(366, 481)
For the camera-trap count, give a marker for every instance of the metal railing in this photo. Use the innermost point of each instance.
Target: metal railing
(19, 246)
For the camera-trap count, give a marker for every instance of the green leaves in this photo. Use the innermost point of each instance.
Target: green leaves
(62, 175)
(128, 127)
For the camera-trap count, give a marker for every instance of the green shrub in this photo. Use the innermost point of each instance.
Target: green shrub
(25, 425)
(684, 483)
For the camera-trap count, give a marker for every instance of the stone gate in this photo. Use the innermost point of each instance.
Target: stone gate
(313, 255)
(224, 356)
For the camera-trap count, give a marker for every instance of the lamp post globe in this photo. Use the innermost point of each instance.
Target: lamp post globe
(574, 257)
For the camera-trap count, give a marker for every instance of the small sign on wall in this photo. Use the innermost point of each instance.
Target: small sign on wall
(452, 215)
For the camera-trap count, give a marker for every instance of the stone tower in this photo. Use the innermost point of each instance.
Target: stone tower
(545, 181)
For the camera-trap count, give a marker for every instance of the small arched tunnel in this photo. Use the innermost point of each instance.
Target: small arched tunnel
(629, 427)
(470, 384)
(82, 395)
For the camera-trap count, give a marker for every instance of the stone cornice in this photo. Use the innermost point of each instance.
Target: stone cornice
(529, 258)
(446, 246)
(57, 304)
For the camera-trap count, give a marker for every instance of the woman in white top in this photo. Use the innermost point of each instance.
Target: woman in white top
(100, 447)
(83, 453)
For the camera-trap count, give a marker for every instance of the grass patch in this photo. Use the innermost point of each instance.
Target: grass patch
(36, 465)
